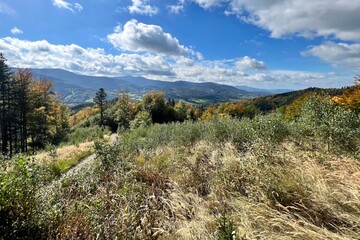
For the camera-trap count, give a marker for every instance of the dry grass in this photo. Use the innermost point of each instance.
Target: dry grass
(63, 152)
(320, 194)
(286, 192)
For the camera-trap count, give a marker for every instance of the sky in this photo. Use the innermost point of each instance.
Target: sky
(269, 44)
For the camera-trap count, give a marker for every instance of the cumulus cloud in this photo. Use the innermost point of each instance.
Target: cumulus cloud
(338, 54)
(177, 7)
(296, 79)
(140, 37)
(227, 72)
(247, 63)
(140, 7)
(210, 3)
(282, 18)
(42, 54)
(16, 30)
(91, 61)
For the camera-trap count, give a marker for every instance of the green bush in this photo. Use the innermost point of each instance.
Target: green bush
(226, 228)
(244, 132)
(80, 135)
(20, 178)
(338, 127)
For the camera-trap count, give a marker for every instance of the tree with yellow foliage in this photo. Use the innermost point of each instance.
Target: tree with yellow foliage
(48, 118)
(350, 99)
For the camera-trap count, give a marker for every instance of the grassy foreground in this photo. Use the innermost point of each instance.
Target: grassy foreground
(264, 178)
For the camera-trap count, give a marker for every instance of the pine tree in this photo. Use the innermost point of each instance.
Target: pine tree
(5, 87)
(28, 109)
(100, 100)
(23, 79)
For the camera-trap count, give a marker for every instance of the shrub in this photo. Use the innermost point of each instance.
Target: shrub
(80, 135)
(226, 228)
(338, 127)
(20, 178)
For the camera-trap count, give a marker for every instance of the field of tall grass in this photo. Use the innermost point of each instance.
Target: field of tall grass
(261, 178)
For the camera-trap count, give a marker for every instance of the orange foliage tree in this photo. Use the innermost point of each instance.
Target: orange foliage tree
(350, 99)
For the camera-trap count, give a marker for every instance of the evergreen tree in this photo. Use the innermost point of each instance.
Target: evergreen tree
(28, 109)
(5, 88)
(23, 79)
(100, 100)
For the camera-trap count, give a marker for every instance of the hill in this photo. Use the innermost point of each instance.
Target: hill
(269, 103)
(264, 178)
(77, 89)
(263, 91)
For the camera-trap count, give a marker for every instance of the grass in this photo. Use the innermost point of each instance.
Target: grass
(263, 178)
(207, 189)
(62, 152)
(61, 166)
(60, 160)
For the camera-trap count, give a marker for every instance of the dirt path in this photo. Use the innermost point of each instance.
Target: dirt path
(86, 162)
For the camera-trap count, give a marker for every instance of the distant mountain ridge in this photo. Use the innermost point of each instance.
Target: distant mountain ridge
(264, 91)
(77, 89)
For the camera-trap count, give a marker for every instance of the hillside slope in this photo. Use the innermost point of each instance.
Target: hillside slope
(76, 89)
(264, 178)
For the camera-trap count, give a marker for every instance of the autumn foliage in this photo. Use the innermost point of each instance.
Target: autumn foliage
(350, 99)
(31, 113)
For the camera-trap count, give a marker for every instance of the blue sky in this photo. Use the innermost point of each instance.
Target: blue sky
(260, 43)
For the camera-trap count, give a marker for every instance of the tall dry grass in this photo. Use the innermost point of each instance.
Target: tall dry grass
(263, 178)
(286, 192)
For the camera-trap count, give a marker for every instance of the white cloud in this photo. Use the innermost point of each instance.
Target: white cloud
(228, 72)
(296, 79)
(4, 8)
(338, 54)
(140, 7)
(282, 18)
(42, 54)
(78, 7)
(247, 63)
(65, 5)
(16, 30)
(176, 8)
(140, 37)
(62, 4)
(210, 3)
(179, 7)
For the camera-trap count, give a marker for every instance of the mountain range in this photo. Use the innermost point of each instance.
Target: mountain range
(77, 89)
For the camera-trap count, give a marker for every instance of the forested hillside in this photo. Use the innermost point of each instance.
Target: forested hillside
(280, 167)
(78, 89)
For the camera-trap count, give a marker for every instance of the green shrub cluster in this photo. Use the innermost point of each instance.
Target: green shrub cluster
(325, 120)
(19, 182)
(243, 133)
(83, 134)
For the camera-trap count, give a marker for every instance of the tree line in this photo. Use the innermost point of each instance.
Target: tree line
(31, 115)
(126, 113)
